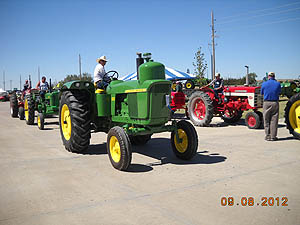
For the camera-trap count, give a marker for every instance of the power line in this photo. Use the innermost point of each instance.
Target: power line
(267, 23)
(260, 10)
(267, 14)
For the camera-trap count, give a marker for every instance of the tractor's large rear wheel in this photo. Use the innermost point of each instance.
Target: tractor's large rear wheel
(186, 146)
(292, 115)
(232, 116)
(13, 105)
(74, 121)
(29, 109)
(21, 113)
(200, 109)
(119, 148)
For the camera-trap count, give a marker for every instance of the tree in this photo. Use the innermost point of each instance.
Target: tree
(71, 77)
(200, 67)
(200, 64)
(252, 78)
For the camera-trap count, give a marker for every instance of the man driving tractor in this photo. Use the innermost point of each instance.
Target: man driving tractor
(43, 86)
(100, 77)
(218, 86)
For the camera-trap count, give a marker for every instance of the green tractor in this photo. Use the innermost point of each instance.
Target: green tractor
(47, 106)
(288, 89)
(292, 115)
(128, 111)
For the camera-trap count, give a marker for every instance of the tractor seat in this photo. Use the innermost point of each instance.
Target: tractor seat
(98, 90)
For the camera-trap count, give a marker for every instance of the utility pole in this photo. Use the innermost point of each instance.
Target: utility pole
(4, 80)
(80, 66)
(20, 82)
(213, 45)
(10, 81)
(38, 73)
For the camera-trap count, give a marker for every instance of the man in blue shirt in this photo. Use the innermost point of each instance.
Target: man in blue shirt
(271, 90)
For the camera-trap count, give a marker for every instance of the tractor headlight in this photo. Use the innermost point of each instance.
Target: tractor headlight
(87, 84)
(77, 84)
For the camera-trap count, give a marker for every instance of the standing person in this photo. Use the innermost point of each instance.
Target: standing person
(43, 86)
(270, 90)
(100, 77)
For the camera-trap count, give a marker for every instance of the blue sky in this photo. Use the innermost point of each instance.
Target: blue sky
(50, 34)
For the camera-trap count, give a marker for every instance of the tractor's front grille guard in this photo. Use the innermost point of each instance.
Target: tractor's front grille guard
(258, 98)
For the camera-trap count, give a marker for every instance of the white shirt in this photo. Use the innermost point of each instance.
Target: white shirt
(44, 86)
(99, 72)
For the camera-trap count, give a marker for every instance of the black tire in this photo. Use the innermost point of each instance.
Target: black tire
(190, 136)
(197, 100)
(21, 113)
(29, 108)
(140, 139)
(291, 116)
(13, 105)
(74, 120)
(119, 148)
(261, 117)
(252, 120)
(234, 116)
(189, 84)
(41, 121)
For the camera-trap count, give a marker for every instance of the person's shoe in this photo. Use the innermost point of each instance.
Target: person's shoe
(268, 138)
(274, 139)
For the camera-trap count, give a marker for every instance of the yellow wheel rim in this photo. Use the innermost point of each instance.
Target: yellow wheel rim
(26, 109)
(174, 87)
(66, 122)
(114, 148)
(181, 147)
(39, 121)
(188, 85)
(294, 116)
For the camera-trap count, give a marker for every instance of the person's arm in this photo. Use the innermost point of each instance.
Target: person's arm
(38, 85)
(262, 89)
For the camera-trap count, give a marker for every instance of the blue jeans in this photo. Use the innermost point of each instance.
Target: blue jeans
(217, 92)
(102, 84)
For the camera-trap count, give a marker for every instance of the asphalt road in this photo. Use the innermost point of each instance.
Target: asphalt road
(42, 183)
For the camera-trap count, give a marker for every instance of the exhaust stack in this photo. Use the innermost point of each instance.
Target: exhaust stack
(139, 61)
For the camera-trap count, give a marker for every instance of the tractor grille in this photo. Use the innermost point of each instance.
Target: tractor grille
(258, 98)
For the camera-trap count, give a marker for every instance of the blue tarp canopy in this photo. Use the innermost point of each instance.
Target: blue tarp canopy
(171, 74)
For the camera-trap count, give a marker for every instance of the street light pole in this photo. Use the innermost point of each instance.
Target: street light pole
(247, 76)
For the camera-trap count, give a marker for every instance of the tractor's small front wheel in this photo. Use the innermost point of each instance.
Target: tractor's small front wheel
(252, 120)
(29, 108)
(119, 148)
(189, 84)
(186, 145)
(40, 121)
(21, 113)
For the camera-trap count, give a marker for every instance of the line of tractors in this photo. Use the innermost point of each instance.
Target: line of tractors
(130, 112)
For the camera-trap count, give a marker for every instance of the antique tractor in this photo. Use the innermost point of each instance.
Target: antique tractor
(128, 111)
(292, 115)
(45, 106)
(203, 105)
(17, 104)
(288, 89)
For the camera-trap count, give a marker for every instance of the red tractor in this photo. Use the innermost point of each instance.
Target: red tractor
(17, 104)
(203, 105)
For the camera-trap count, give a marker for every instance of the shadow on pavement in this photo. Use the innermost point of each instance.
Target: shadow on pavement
(160, 149)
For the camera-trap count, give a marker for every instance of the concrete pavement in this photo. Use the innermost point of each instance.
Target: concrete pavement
(42, 183)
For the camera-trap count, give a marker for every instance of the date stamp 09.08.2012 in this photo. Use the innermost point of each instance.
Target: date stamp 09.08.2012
(250, 201)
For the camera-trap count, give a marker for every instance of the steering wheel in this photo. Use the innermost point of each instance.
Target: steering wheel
(112, 74)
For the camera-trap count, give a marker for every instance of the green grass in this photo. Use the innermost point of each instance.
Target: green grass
(282, 103)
